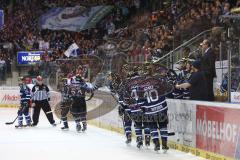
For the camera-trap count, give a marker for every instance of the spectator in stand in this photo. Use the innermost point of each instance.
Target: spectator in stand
(186, 52)
(21, 25)
(154, 19)
(238, 3)
(215, 16)
(2, 68)
(8, 64)
(34, 71)
(110, 27)
(227, 9)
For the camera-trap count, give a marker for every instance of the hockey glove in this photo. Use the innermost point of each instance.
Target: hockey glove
(120, 111)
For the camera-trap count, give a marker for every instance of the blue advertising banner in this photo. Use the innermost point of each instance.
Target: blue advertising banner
(29, 57)
(1, 19)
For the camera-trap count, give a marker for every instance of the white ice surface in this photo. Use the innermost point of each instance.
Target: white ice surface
(45, 142)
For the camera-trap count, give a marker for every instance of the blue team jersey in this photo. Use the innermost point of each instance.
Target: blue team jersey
(184, 76)
(178, 93)
(78, 87)
(147, 95)
(130, 95)
(25, 93)
(153, 91)
(153, 101)
(65, 93)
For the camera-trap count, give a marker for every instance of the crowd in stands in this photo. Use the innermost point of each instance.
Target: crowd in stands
(21, 28)
(165, 28)
(21, 20)
(5, 64)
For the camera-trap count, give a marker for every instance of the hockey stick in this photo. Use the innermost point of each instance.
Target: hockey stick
(171, 133)
(9, 123)
(56, 110)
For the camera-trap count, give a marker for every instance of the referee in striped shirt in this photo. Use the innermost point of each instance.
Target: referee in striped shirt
(40, 98)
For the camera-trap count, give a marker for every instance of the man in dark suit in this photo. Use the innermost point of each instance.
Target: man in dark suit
(208, 67)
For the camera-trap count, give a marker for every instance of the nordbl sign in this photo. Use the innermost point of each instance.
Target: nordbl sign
(29, 57)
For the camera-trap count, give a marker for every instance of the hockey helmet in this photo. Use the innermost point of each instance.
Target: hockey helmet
(39, 78)
(79, 70)
(27, 80)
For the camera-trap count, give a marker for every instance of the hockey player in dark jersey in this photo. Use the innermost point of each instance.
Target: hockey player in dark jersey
(75, 91)
(184, 76)
(134, 110)
(177, 93)
(154, 108)
(116, 86)
(128, 105)
(25, 94)
(135, 114)
(124, 112)
(65, 103)
(147, 69)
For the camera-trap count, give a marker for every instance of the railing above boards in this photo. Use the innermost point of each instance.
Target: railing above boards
(188, 43)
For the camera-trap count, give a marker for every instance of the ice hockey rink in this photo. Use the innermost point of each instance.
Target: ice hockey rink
(50, 143)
